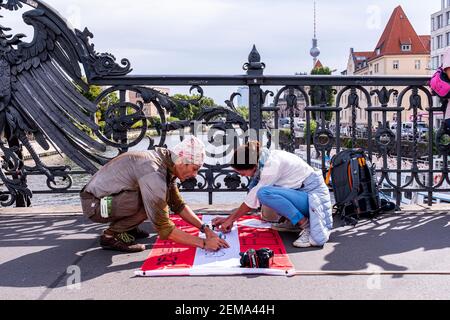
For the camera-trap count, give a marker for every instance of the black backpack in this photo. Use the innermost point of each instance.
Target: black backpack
(355, 190)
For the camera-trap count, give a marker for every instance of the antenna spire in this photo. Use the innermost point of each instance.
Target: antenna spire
(315, 51)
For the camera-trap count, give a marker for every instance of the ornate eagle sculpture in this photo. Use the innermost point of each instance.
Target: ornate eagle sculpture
(41, 85)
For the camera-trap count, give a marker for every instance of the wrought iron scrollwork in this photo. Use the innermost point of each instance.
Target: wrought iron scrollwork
(213, 117)
(254, 66)
(353, 105)
(121, 117)
(100, 65)
(232, 181)
(385, 139)
(323, 139)
(12, 166)
(41, 97)
(291, 100)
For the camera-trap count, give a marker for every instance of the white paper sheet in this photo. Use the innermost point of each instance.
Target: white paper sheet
(224, 258)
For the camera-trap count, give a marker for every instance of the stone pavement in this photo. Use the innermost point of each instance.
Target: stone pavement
(400, 256)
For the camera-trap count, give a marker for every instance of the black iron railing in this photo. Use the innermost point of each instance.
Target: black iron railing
(56, 111)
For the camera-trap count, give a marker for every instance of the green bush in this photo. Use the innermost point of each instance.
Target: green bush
(137, 125)
(173, 119)
(102, 124)
(313, 128)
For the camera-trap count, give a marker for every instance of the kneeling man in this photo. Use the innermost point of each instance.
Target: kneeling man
(140, 185)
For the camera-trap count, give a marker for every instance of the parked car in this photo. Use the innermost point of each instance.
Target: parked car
(407, 131)
(284, 123)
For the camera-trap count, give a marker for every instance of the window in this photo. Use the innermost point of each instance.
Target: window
(440, 42)
(447, 18)
(417, 64)
(447, 36)
(440, 21)
(395, 64)
(377, 68)
(378, 51)
(406, 47)
(435, 63)
(432, 24)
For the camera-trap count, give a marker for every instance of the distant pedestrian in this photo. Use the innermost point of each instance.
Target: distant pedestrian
(440, 83)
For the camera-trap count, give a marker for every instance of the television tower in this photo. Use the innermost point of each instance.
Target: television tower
(315, 51)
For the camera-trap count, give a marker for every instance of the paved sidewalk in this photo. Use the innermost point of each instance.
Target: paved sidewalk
(38, 249)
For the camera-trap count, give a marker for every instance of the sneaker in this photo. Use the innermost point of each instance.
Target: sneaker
(304, 240)
(284, 225)
(138, 233)
(121, 242)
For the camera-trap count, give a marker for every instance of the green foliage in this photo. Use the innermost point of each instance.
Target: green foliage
(190, 112)
(316, 92)
(244, 112)
(313, 128)
(285, 133)
(154, 121)
(102, 124)
(445, 140)
(137, 125)
(347, 143)
(172, 119)
(104, 104)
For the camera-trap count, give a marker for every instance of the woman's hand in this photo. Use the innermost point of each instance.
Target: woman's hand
(217, 222)
(224, 224)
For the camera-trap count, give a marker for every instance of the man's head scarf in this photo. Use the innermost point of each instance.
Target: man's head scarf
(190, 151)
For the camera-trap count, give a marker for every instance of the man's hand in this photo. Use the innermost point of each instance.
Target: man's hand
(224, 224)
(213, 242)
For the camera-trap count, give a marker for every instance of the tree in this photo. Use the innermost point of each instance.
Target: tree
(316, 94)
(111, 99)
(244, 112)
(191, 111)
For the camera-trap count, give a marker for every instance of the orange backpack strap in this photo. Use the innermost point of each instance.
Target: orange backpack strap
(327, 181)
(349, 173)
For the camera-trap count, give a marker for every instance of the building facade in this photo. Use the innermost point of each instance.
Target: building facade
(440, 34)
(400, 51)
(440, 42)
(243, 99)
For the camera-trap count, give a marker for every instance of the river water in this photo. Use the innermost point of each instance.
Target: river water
(38, 183)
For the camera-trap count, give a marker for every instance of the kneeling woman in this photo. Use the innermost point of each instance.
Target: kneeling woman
(286, 184)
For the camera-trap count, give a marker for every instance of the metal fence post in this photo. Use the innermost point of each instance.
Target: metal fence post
(255, 70)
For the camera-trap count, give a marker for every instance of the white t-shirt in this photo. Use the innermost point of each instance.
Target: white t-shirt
(282, 169)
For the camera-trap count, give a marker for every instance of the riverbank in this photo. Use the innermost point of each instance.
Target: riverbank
(41, 152)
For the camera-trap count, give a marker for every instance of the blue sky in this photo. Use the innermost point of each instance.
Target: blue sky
(215, 36)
